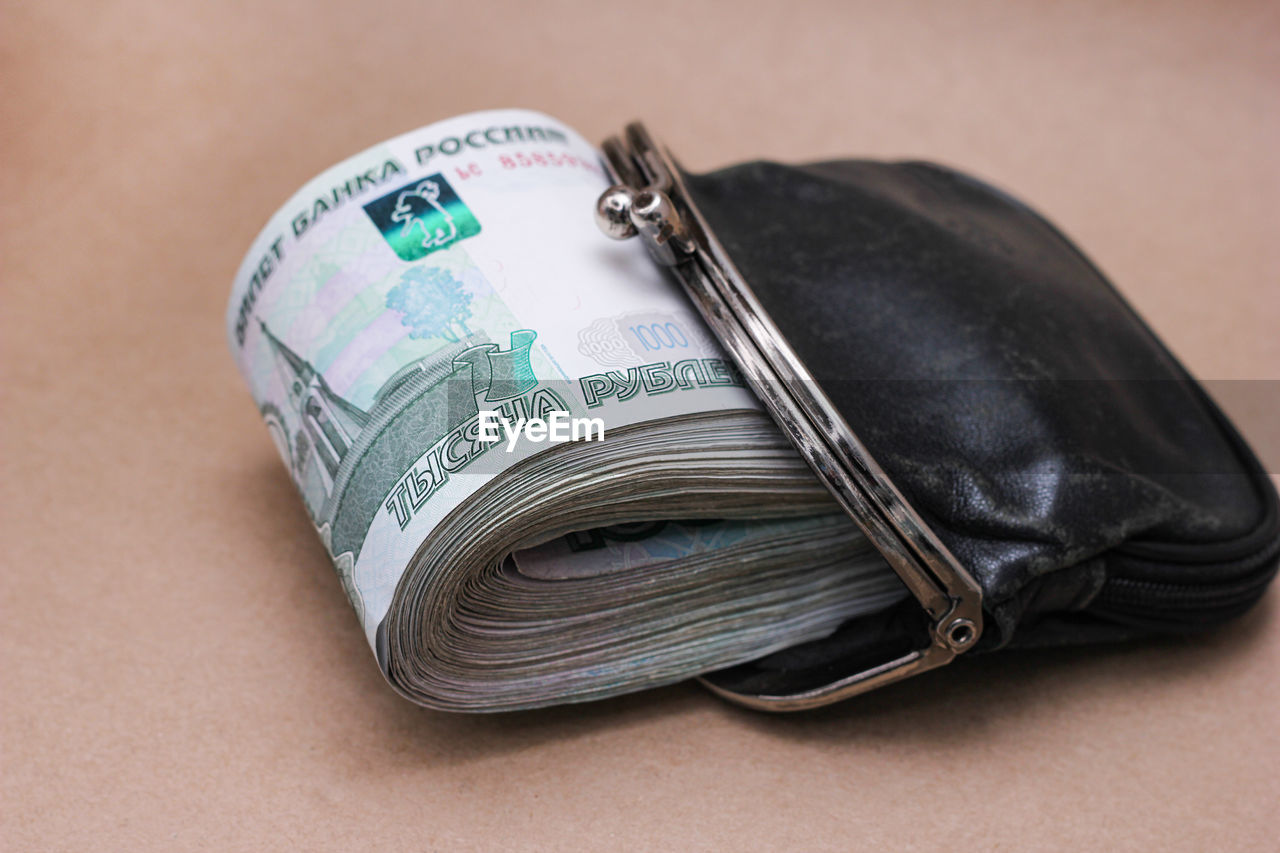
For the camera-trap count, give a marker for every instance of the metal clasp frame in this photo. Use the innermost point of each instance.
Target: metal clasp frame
(649, 199)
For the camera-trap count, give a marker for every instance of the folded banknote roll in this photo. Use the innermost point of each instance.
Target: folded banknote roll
(537, 475)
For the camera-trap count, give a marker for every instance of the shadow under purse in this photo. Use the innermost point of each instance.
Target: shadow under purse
(1025, 452)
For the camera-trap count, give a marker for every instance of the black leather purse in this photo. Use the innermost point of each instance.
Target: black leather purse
(1032, 461)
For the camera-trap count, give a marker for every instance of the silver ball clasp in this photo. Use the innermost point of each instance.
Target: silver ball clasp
(613, 212)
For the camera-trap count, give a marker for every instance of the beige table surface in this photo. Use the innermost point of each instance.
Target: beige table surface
(180, 670)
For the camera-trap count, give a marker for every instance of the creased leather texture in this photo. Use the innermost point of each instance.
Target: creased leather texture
(1022, 407)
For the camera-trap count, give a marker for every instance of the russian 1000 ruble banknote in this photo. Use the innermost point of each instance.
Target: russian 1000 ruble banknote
(522, 449)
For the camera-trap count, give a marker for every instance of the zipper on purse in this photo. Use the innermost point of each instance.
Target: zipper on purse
(1167, 605)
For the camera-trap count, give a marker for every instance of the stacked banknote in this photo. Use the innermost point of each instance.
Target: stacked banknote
(538, 477)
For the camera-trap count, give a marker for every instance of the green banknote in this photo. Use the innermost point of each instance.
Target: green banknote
(538, 477)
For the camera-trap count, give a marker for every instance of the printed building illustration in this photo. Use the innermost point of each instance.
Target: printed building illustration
(329, 424)
(345, 459)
